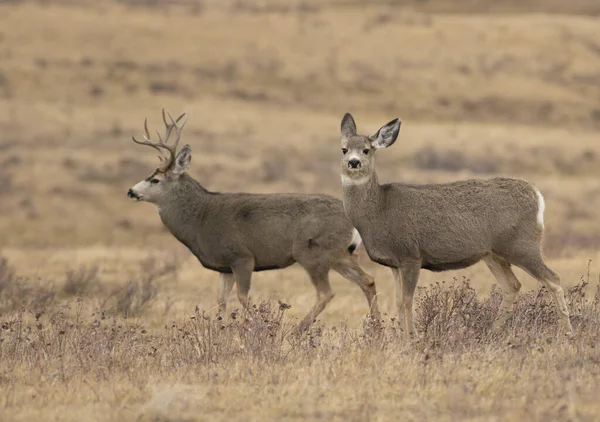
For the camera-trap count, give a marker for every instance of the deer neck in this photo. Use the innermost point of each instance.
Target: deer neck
(187, 204)
(361, 197)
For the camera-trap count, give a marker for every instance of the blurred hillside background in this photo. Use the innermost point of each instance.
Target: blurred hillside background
(483, 88)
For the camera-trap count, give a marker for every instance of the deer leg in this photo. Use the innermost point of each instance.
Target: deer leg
(226, 282)
(320, 279)
(399, 297)
(552, 283)
(510, 285)
(535, 266)
(349, 269)
(242, 271)
(409, 272)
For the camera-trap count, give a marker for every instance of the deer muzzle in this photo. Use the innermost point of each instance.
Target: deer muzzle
(354, 163)
(132, 195)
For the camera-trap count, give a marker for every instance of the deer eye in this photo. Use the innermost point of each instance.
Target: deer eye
(365, 151)
(154, 181)
(344, 151)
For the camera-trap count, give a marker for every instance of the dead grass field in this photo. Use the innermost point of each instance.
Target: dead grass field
(98, 303)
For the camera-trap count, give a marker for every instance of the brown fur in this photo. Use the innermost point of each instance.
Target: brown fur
(442, 226)
(272, 230)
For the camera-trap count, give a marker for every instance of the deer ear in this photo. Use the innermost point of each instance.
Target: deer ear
(386, 135)
(348, 126)
(182, 160)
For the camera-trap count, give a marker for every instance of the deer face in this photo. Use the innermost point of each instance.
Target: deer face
(358, 151)
(151, 189)
(157, 187)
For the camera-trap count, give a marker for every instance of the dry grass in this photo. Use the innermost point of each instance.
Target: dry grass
(74, 362)
(98, 302)
(16, 292)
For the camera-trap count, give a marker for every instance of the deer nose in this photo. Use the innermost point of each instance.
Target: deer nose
(354, 163)
(131, 194)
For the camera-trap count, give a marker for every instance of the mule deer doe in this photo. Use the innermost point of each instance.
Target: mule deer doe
(238, 233)
(442, 227)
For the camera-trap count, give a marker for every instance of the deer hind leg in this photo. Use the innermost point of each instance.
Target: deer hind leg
(406, 279)
(510, 285)
(226, 282)
(533, 263)
(350, 270)
(320, 279)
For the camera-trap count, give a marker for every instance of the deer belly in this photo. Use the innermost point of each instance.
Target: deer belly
(273, 261)
(215, 267)
(450, 262)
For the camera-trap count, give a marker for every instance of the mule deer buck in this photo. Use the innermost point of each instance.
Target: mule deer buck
(238, 233)
(441, 227)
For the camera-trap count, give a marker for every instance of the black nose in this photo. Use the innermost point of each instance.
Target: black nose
(130, 194)
(354, 163)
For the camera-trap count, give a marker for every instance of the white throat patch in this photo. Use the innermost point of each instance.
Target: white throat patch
(347, 181)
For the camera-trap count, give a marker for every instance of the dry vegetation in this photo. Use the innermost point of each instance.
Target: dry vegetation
(77, 361)
(106, 317)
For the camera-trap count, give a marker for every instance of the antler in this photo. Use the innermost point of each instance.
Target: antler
(162, 144)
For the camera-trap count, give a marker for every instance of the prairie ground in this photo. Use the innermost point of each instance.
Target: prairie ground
(106, 317)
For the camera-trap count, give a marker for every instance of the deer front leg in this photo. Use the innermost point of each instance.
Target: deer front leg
(242, 272)
(406, 283)
(399, 297)
(226, 282)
